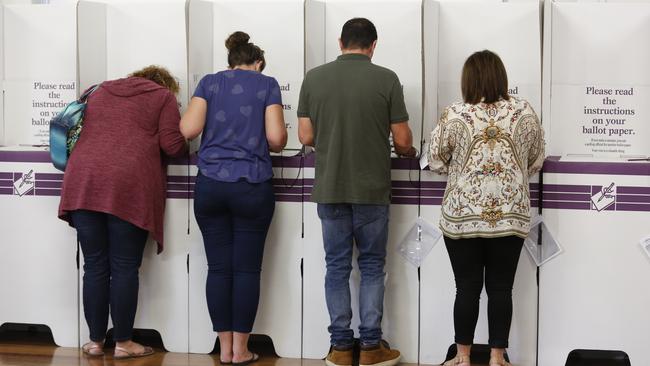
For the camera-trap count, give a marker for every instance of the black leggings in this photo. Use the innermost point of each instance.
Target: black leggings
(470, 258)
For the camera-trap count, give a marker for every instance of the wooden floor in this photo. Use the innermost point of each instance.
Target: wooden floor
(39, 351)
(42, 355)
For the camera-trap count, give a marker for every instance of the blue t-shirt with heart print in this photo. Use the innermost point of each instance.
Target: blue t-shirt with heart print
(233, 144)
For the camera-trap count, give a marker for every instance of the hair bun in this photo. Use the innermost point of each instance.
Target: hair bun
(237, 39)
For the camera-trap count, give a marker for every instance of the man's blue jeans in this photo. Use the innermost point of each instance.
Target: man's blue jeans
(367, 226)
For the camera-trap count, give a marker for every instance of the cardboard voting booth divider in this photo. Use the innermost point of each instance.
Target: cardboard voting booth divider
(116, 39)
(40, 68)
(399, 48)
(597, 86)
(275, 26)
(597, 97)
(36, 85)
(211, 22)
(38, 250)
(119, 37)
(2, 74)
(456, 30)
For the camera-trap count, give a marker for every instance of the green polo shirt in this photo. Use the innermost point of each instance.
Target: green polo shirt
(351, 103)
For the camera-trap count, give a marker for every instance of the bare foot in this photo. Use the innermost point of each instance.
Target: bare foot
(225, 358)
(247, 356)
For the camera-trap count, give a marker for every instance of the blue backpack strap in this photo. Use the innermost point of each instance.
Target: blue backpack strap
(87, 93)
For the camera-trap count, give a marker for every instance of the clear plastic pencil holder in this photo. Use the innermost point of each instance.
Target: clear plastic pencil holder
(540, 243)
(419, 241)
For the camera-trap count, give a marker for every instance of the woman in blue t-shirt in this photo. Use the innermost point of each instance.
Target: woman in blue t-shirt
(239, 112)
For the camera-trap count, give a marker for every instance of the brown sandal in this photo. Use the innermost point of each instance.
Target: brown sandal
(146, 352)
(90, 346)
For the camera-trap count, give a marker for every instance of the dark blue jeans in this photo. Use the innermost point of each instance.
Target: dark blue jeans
(367, 225)
(234, 219)
(112, 250)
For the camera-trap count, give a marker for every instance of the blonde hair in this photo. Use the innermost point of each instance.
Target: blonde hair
(158, 75)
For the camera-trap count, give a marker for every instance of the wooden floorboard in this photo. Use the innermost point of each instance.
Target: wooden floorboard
(17, 350)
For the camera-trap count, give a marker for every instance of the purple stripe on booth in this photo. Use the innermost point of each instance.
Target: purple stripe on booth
(549, 196)
(178, 179)
(9, 191)
(287, 190)
(25, 156)
(7, 175)
(633, 190)
(437, 201)
(432, 192)
(286, 161)
(632, 207)
(178, 187)
(567, 205)
(405, 192)
(554, 165)
(566, 188)
(631, 198)
(49, 176)
(6, 183)
(179, 195)
(434, 185)
(48, 184)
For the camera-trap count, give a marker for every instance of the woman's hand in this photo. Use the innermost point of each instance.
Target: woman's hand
(193, 120)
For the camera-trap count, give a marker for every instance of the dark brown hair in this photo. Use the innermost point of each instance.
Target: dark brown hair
(484, 78)
(158, 75)
(242, 52)
(358, 33)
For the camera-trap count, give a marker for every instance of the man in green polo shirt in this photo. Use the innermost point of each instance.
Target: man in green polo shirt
(348, 108)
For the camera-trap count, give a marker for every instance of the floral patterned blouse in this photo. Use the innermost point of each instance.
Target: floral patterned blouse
(489, 151)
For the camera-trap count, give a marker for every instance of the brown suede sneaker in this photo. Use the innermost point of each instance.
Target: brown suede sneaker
(339, 357)
(379, 355)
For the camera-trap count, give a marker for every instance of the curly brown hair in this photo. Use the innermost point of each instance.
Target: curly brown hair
(158, 75)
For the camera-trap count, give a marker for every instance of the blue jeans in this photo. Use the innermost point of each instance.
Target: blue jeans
(367, 226)
(234, 219)
(112, 250)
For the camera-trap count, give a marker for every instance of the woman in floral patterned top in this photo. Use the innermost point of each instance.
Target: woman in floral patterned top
(488, 145)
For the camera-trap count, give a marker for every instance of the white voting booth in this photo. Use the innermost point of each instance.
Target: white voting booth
(456, 30)
(40, 68)
(38, 248)
(116, 39)
(280, 309)
(399, 47)
(596, 57)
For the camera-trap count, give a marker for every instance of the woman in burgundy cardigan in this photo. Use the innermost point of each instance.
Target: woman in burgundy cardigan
(113, 193)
